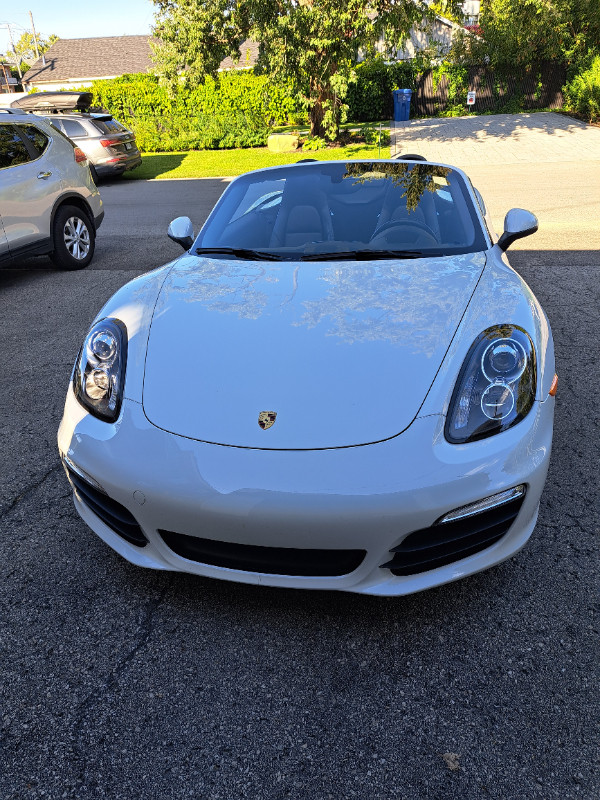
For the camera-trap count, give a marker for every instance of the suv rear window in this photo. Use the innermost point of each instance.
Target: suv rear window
(109, 126)
(73, 128)
(12, 148)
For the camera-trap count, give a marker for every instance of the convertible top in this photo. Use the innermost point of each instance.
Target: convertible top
(55, 101)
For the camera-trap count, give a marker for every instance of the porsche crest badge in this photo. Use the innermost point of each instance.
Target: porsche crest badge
(266, 419)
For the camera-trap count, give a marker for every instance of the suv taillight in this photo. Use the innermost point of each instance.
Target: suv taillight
(109, 142)
(80, 156)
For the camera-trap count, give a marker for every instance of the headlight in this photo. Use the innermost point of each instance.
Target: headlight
(496, 385)
(99, 373)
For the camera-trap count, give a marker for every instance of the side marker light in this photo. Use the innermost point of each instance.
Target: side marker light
(554, 386)
(69, 465)
(486, 504)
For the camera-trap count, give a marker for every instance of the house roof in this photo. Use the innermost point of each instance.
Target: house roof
(248, 57)
(104, 56)
(110, 56)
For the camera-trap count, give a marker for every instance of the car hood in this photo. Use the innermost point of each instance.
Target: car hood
(343, 353)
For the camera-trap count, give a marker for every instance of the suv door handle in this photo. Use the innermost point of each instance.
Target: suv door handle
(44, 175)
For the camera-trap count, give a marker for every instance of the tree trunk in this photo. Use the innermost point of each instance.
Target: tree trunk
(322, 100)
(316, 114)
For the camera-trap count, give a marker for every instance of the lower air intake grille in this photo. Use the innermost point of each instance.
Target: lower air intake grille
(268, 560)
(445, 543)
(113, 514)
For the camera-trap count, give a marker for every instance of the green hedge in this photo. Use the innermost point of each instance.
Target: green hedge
(143, 95)
(235, 110)
(582, 93)
(168, 133)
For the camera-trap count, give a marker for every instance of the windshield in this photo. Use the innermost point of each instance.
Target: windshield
(353, 209)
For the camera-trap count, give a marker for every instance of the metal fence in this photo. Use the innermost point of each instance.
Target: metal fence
(537, 87)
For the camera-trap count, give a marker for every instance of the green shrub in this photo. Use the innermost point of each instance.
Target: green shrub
(582, 93)
(299, 118)
(372, 135)
(513, 105)
(456, 110)
(314, 143)
(370, 96)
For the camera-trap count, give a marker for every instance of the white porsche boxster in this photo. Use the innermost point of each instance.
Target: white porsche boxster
(342, 384)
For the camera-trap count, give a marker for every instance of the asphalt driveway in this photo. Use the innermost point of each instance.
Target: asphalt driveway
(123, 683)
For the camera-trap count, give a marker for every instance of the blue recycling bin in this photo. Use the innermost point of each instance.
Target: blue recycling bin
(402, 104)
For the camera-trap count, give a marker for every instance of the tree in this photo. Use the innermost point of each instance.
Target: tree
(25, 48)
(311, 45)
(414, 180)
(448, 10)
(523, 32)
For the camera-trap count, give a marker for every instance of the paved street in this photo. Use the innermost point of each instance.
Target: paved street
(126, 684)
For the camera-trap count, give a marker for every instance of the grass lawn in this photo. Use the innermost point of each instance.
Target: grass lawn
(227, 163)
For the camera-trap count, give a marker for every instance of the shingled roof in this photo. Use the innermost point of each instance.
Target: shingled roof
(248, 56)
(108, 57)
(102, 57)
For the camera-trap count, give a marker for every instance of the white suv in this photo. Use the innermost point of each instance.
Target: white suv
(49, 203)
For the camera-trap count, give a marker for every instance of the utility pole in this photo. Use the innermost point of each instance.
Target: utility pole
(35, 44)
(17, 56)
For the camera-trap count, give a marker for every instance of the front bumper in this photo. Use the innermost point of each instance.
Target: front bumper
(369, 497)
(99, 219)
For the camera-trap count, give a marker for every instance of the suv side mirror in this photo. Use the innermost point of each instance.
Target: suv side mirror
(517, 224)
(182, 232)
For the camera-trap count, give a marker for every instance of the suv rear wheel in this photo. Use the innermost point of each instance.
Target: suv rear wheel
(74, 238)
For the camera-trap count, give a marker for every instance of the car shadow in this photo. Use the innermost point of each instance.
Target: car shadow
(539, 259)
(23, 271)
(154, 165)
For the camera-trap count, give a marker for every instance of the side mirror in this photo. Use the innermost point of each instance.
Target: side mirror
(517, 224)
(182, 232)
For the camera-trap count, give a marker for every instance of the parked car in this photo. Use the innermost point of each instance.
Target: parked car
(110, 146)
(49, 203)
(342, 384)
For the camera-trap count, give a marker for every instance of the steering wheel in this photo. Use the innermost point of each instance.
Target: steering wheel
(412, 224)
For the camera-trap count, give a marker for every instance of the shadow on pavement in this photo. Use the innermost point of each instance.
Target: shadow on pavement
(115, 253)
(553, 258)
(496, 126)
(155, 165)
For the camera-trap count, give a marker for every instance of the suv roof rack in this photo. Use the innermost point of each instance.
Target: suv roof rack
(17, 111)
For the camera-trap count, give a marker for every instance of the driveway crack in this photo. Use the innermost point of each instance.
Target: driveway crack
(27, 490)
(145, 629)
